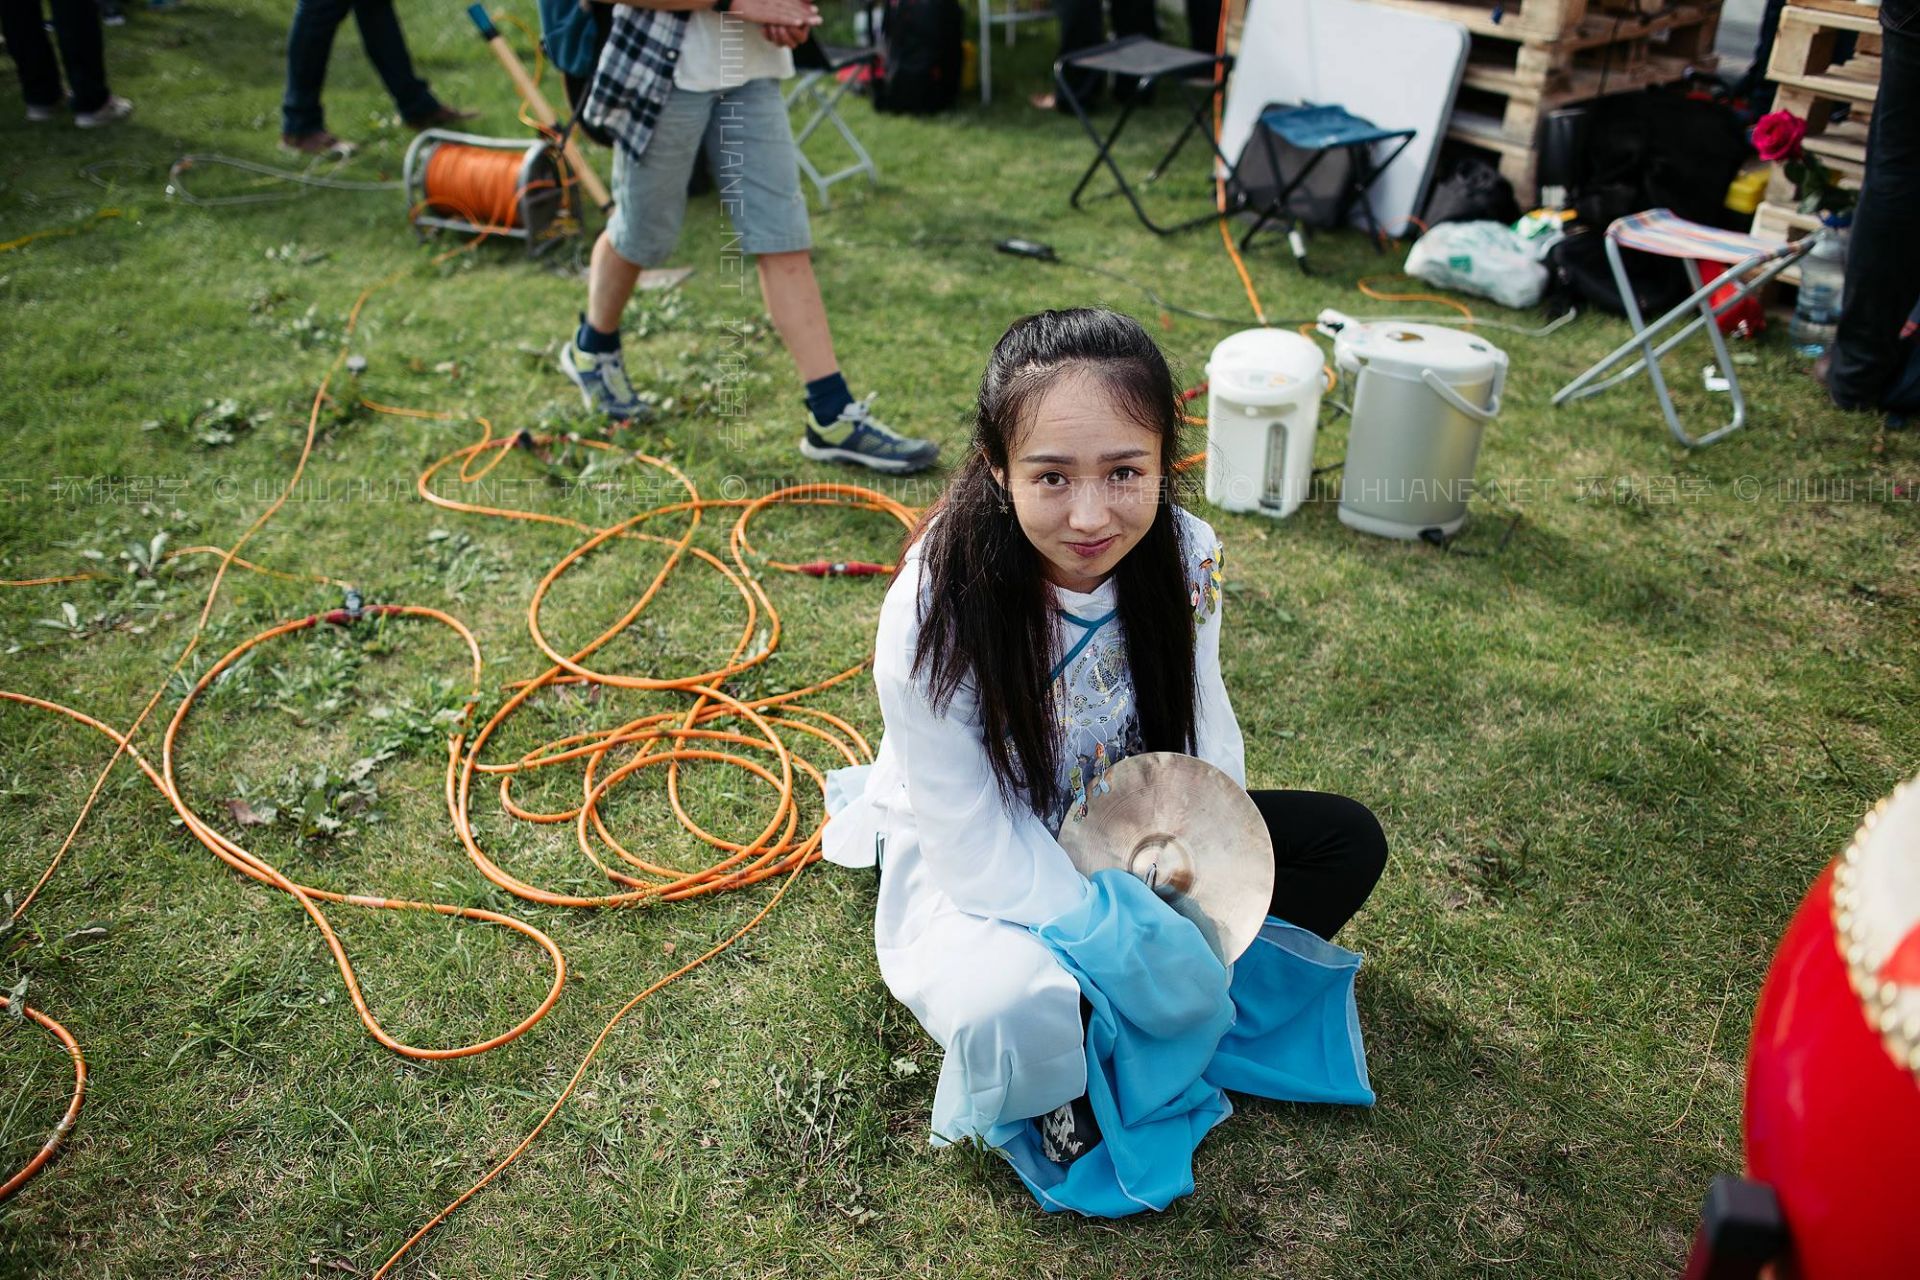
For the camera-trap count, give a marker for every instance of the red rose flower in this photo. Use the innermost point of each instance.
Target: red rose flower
(1777, 135)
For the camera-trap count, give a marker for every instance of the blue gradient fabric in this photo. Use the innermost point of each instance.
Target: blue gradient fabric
(1171, 1030)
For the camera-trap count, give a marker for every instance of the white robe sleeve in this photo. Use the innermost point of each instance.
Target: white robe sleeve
(989, 858)
(1217, 737)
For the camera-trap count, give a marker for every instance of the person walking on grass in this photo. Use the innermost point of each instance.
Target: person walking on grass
(76, 27)
(303, 126)
(677, 75)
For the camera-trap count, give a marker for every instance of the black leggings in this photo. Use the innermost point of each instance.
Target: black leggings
(1328, 851)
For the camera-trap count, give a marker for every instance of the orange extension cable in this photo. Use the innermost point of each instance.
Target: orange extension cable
(68, 1120)
(715, 727)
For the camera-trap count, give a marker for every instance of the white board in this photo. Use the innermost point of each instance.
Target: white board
(1398, 69)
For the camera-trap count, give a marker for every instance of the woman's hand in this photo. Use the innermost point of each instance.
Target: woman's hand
(774, 14)
(786, 37)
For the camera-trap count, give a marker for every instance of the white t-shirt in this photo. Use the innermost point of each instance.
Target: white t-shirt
(720, 51)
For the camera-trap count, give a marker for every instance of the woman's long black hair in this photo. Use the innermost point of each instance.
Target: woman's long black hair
(985, 618)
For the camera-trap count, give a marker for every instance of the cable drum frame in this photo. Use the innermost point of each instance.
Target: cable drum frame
(543, 204)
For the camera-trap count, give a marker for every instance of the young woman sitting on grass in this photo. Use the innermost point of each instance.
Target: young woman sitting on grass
(1054, 613)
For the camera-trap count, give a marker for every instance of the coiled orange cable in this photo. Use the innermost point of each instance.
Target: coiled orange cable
(662, 738)
(480, 184)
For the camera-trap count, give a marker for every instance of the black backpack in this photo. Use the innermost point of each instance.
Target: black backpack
(920, 56)
(1580, 275)
(1651, 149)
(1473, 191)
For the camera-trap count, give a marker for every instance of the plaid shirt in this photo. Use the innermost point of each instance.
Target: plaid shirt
(635, 75)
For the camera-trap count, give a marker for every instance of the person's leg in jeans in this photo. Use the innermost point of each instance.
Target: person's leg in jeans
(76, 26)
(31, 51)
(309, 46)
(1754, 86)
(1134, 18)
(1083, 24)
(1328, 851)
(1883, 256)
(387, 50)
(1203, 25)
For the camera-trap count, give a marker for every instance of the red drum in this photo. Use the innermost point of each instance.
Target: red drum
(1833, 1075)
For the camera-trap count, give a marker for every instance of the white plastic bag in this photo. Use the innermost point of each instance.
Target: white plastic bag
(1486, 258)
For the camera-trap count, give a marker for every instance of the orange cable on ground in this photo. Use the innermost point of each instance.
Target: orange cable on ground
(1366, 286)
(666, 738)
(22, 241)
(95, 575)
(1219, 178)
(72, 1115)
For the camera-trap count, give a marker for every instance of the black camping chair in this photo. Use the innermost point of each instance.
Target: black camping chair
(1145, 62)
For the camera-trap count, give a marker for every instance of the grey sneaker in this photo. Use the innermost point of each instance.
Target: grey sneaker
(862, 439)
(108, 112)
(602, 380)
(113, 110)
(37, 114)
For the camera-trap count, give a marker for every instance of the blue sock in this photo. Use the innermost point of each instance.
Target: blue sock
(826, 397)
(594, 342)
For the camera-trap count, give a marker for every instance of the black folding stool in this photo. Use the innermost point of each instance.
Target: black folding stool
(1321, 130)
(1146, 62)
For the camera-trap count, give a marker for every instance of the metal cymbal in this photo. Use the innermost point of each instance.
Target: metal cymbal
(1190, 832)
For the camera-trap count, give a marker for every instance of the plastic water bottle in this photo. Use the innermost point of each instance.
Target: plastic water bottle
(1823, 273)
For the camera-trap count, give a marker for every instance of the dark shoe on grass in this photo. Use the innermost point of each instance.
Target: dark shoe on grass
(317, 143)
(440, 117)
(112, 111)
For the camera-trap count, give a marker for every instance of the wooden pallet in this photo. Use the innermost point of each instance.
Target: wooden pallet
(1501, 102)
(1531, 57)
(1499, 111)
(1684, 34)
(1805, 57)
(1858, 8)
(1571, 23)
(1843, 140)
(1815, 83)
(1508, 19)
(1518, 162)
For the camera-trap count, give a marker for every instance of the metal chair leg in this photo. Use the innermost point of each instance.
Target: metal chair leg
(1725, 360)
(1651, 357)
(824, 106)
(1591, 382)
(1277, 207)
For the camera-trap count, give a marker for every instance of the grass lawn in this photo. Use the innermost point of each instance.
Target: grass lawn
(1612, 735)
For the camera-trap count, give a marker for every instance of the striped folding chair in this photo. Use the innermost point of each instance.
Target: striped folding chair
(1750, 263)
